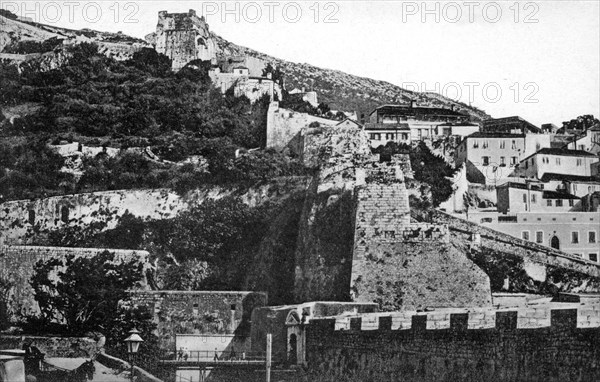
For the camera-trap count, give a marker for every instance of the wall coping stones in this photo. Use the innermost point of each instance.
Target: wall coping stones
(570, 315)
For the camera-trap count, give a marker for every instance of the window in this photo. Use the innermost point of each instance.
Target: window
(533, 198)
(592, 237)
(579, 162)
(64, 214)
(581, 147)
(594, 257)
(502, 144)
(559, 203)
(486, 161)
(558, 161)
(513, 161)
(486, 144)
(375, 136)
(502, 161)
(524, 198)
(475, 144)
(389, 136)
(549, 202)
(575, 237)
(405, 137)
(539, 237)
(571, 202)
(513, 146)
(525, 235)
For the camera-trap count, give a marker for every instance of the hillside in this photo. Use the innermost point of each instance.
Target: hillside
(342, 91)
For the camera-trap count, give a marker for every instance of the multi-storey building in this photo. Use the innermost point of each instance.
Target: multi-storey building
(406, 123)
(532, 197)
(556, 161)
(492, 157)
(589, 141)
(573, 184)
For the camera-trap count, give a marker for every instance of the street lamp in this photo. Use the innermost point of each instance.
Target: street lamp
(133, 345)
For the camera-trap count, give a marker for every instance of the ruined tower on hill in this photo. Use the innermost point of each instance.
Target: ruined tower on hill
(183, 37)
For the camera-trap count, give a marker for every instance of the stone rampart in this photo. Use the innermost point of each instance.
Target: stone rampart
(284, 125)
(21, 220)
(199, 312)
(406, 265)
(557, 342)
(489, 238)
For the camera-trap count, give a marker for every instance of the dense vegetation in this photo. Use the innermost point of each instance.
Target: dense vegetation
(583, 122)
(85, 296)
(209, 247)
(98, 101)
(427, 167)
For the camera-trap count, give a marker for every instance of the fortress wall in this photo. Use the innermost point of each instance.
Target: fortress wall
(200, 313)
(283, 125)
(23, 219)
(528, 250)
(17, 266)
(548, 343)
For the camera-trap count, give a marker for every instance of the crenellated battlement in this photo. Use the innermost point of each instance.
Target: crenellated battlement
(558, 315)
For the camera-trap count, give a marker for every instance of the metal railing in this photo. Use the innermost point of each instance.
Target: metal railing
(222, 356)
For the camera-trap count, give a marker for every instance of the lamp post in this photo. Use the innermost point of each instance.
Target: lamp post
(133, 345)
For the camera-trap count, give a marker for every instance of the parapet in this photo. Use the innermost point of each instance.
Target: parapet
(554, 315)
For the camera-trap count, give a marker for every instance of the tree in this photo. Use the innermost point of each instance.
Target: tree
(86, 292)
(427, 167)
(150, 61)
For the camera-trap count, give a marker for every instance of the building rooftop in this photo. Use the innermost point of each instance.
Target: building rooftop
(495, 135)
(558, 195)
(417, 110)
(511, 121)
(387, 126)
(458, 124)
(549, 176)
(562, 152)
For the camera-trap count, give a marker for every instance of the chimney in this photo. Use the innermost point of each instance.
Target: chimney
(452, 107)
(192, 12)
(412, 103)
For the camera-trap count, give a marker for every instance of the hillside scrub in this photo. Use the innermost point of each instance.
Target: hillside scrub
(127, 104)
(427, 167)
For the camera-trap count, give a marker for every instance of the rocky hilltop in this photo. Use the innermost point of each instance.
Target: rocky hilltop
(342, 91)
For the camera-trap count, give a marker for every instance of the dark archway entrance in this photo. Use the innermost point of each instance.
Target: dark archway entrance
(554, 242)
(293, 355)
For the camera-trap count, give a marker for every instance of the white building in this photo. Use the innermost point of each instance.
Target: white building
(589, 142)
(244, 84)
(533, 197)
(575, 233)
(556, 161)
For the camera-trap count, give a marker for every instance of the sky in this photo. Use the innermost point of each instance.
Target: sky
(538, 60)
